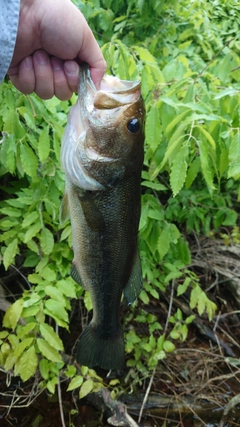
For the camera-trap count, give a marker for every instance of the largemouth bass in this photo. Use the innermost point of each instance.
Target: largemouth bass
(102, 156)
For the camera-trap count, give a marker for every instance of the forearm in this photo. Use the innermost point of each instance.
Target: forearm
(9, 15)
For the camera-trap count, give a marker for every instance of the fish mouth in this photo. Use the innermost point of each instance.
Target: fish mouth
(112, 93)
(114, 84)
(90, 157)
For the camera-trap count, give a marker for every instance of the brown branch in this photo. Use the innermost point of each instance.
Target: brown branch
(231, 404)
(146, 395)
(120, 415)
(213, 59)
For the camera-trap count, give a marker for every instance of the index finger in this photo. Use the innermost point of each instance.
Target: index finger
(91, 54)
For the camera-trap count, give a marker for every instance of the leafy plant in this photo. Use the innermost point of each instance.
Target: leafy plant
(30, 147)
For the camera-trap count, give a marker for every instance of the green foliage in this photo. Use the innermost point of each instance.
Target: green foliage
(32, 185)
(187, 58)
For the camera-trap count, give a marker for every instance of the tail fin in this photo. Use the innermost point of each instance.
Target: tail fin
(95, 350)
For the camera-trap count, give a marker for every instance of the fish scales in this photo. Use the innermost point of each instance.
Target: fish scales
(105, 219)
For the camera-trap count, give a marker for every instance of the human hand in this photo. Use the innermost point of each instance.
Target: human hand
(53, 39)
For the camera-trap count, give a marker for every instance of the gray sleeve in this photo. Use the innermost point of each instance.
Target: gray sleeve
(9, 14)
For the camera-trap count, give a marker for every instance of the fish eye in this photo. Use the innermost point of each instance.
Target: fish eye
(133, 125)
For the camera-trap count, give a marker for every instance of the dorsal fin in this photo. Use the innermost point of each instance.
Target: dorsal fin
(134, 285)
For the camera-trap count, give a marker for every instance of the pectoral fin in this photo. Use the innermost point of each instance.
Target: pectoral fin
(64, 210)
(134, 285)
(92, 214)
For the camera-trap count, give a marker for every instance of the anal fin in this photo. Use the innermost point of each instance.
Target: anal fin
(75, 275)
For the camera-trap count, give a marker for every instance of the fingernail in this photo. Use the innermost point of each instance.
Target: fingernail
(71, 68)
(57, 64)
(41, 57)
(28, 63)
